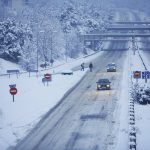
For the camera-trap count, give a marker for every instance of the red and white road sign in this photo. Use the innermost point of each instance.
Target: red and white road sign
(47, 76)
(13, 91)
(137, 74)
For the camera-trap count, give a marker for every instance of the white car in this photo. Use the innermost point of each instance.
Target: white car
(111, 67)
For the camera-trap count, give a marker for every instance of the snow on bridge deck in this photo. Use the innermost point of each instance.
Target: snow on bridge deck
(99, 36)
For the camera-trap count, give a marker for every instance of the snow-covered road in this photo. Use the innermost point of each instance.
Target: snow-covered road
(84, 118)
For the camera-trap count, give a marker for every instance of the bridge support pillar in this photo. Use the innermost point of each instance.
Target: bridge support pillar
(93, 46)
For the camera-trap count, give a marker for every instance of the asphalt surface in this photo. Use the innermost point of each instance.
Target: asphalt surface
(84, 118)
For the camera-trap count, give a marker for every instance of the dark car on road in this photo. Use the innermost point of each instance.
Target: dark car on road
(67, 72)
(103, 84)
(111, 67)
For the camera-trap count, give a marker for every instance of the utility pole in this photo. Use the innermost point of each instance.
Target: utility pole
(37, 44)
(66, 46)
(51, 45)
(37, 49)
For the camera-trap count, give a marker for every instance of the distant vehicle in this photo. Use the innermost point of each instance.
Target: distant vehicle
(111, 67)
(103, 84)
(44, 65)
(67, 72)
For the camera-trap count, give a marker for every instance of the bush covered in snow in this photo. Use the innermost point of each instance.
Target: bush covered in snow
(141, 95)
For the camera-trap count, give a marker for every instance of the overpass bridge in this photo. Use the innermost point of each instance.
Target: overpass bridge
(133, 22)
(123, 40)
(94, 38)
(100, 36)
(128, 28)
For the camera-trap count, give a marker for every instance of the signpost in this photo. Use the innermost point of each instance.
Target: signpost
(36, 71)
(145, 75)
(51, 61)
(141, 74)
(13, 71)
(13, 91)
(137, 75)
(47, 78)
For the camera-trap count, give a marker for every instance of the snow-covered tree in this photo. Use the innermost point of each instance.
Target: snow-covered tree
(12, 39)
(141, 94)
(55, 27)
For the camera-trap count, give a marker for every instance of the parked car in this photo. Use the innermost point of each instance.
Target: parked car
(44, 65)
(67, 72)
(111, 67)
(103, 84)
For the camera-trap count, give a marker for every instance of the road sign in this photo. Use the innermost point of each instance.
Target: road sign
(137, 74)
(33, 70)
(13, 91)
(145, 75)
(12, 85)
(16, 71)
(47, 76)
(13, 71)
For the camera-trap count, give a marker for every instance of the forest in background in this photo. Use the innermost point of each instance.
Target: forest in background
(50, 30)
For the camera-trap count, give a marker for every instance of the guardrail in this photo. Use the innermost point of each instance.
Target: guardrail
(132, 131)
(142, 60)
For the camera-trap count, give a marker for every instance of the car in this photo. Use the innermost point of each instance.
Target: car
(111, 67)
(44, 65)
(103, 84)
(67, 72)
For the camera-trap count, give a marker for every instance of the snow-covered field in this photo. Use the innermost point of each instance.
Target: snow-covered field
(33, 99)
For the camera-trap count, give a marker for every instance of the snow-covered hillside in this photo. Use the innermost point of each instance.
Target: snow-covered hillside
(7, 65)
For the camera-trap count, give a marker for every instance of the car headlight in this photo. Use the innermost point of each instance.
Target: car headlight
(98, 86)
(108, 85)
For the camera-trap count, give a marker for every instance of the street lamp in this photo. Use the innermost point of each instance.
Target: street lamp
(42, 31)
(66, 46)
(51, 50)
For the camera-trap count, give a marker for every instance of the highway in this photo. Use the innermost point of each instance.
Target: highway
(84, 119)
